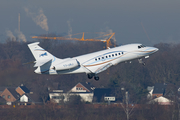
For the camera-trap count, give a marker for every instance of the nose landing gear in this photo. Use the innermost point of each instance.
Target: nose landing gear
(141, 62)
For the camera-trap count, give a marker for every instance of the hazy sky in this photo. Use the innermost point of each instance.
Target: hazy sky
(160, 19)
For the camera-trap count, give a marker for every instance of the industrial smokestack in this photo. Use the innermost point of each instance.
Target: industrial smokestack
(19, 22)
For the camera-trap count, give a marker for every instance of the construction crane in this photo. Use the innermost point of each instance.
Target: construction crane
(108, 41)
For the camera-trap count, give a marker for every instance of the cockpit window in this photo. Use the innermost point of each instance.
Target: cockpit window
(141, 46)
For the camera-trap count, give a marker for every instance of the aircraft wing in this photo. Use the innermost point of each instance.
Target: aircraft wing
(41, 62)
(103, 68)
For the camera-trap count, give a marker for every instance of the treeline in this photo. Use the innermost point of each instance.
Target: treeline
(83, 111)
(161, 67)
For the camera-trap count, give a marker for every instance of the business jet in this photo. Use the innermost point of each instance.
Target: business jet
(92, 63)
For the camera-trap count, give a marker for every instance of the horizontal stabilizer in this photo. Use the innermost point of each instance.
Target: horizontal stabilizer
(41, 62)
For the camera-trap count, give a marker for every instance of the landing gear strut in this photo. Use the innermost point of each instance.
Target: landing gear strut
(141, 62)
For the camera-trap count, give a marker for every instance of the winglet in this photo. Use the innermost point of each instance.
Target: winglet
(32, 44)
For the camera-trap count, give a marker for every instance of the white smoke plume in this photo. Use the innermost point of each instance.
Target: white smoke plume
(10, 35)
(38, 17)
(20, 35)
(69, 28)
(107, 30)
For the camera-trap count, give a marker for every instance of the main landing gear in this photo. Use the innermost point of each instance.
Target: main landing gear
(90, 76)
(96, 78)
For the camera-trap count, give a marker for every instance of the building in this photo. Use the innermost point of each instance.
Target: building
(20, 95)
(157, 90)
(29, 99)
(159, 93)
(10, 95)
(161, 100)
(84, 90)
(101, 93)
(22, 89)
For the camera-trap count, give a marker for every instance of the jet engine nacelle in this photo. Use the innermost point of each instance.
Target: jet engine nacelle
(68, 64)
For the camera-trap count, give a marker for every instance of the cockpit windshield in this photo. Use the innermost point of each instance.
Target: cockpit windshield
(141, 46)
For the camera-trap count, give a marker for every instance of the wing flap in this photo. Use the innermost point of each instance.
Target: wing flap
(103, 68)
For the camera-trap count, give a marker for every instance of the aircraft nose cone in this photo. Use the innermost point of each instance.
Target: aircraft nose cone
(156, 49)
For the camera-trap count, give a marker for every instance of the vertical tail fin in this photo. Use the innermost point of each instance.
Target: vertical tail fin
(39, 53)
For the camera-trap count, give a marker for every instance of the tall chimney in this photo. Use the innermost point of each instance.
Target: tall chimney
(19, 22)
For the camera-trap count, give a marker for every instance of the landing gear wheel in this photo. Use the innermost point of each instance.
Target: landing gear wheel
(96, 78)
(90, 76)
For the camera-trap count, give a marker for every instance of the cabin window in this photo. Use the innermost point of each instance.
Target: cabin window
(96, 59)
(113, 55)
(99, 58)
(106, 56)
(109, 55)
(122, 52)
(119, 53)
(116, 54)
(102, 57)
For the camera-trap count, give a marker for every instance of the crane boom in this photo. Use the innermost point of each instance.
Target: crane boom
(108, 42)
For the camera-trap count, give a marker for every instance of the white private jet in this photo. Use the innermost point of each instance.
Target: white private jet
(92, 63)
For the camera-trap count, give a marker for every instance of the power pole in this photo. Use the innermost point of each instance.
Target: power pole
(127, 105)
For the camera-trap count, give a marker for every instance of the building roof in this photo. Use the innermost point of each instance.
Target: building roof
(13, 92)
(2, 100)
(25, 89)
(159, 88)
(149, 88)
(32, 98)
(88, 85)
(101, 92)
(161, 100)
(35, 98)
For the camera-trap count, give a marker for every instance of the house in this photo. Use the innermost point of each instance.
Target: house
(161, 100)
(20, 95)
(159, 90)
(160, 93)
(101, 93)
(29, 99)
(10, 95)
(83, 89)
(22, 89)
